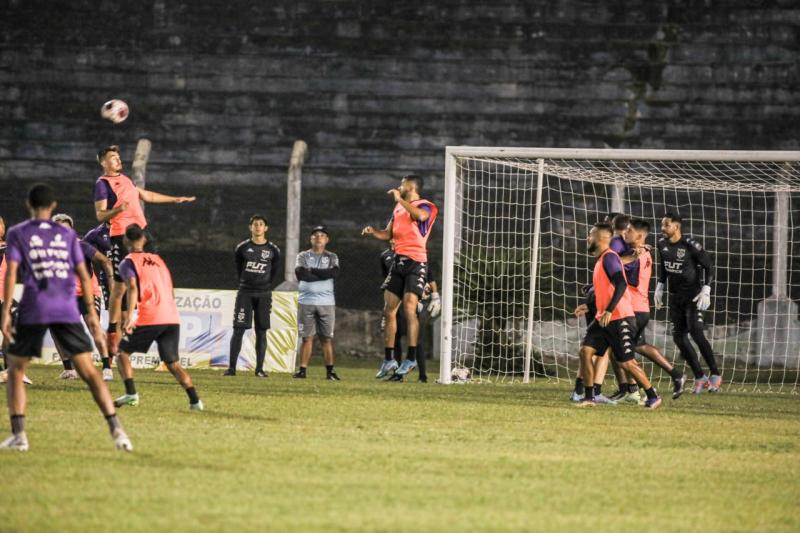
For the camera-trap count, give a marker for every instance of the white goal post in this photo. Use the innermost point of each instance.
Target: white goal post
(514, 255)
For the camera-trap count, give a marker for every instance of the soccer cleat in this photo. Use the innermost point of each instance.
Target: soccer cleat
(586, 403)
(602, 399)
(632, 397)
(619, 395)
(386, 367)
(677, 387)
(68, 374)
(423, 379)
(700, 384)
(17, 442)
(197, 406)
(395, 377)
(230, 372)
(299, 375)
(714, 383)
(653, 403)
(261, 374)
(575, 397)
(121, 440)
(333, 377)
(127, 399)
(26, 380)
(406, 367)
(108, 374)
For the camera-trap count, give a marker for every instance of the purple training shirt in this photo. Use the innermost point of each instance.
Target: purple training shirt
(47, 255)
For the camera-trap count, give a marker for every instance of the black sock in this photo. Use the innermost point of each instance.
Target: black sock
(598, 389)
(192, 394)
(676, 374)
(329, 369)
(113, 423)
(106, 363)
(651, 393)
(589, 393)
(579, 386)
(67, 364)
(302, 371)
(17, 424)
(388, 354)
(236, 347)
(412, 353)
(633, 387)
(261, 349)
(130, 388)
(112, 327)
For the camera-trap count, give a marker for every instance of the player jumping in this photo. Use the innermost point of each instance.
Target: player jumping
(410, 227)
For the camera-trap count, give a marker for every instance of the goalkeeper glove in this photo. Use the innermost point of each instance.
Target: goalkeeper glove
(435, 305)
(658, 297)
(703, 299)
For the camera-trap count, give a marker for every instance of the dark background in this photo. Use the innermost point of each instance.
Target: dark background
(377, 89)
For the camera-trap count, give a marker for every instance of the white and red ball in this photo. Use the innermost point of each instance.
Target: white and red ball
(114, 110)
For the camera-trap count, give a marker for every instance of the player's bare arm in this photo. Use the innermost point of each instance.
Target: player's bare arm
(102, 261)
(380, 234)
(130, 294)
(91, 315)
(103, 214)
(11, 280)
(152, 197)
(581, 310)
(418, 214)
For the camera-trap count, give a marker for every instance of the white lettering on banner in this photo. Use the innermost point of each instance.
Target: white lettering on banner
(197, 302)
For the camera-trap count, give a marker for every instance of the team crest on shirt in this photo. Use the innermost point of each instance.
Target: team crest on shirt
(265, 254)
(323, 263)
(681, 253)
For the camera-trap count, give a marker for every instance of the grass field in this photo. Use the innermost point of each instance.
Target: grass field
(280, 454)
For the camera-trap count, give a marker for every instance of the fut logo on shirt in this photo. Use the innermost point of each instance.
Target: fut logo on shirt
(675, 267)
(255, 267)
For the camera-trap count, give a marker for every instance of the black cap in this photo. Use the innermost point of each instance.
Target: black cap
(323, 229)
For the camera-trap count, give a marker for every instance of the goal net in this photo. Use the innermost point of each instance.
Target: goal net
(515, 258)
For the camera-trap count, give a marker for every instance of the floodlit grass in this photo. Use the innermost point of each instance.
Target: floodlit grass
(283, 454)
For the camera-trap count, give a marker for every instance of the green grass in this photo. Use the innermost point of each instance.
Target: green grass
(280, 454)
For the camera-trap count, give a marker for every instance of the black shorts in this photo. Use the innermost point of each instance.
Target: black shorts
(406, 275)
(82, 306)
(683, 314)
(249, 304)
(618, 336)
(166, 336)
(118, 252)
(642, 320)
(26, 340)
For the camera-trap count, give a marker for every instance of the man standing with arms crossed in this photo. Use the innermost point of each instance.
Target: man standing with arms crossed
(316, 312)
(257, 262)
(46, 257)
(410, 228)
(116, 201)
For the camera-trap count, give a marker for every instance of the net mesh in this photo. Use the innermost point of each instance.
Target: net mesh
(746, 214)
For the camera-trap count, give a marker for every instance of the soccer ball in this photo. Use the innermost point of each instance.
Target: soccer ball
(114, 110)
(460, 375)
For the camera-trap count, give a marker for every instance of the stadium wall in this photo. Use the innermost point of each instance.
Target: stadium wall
(376, 89)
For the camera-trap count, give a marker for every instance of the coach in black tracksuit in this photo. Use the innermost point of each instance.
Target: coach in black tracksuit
(689, 270)
(257, 262)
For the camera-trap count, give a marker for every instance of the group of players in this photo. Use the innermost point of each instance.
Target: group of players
(617, 307)
(46, 256)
